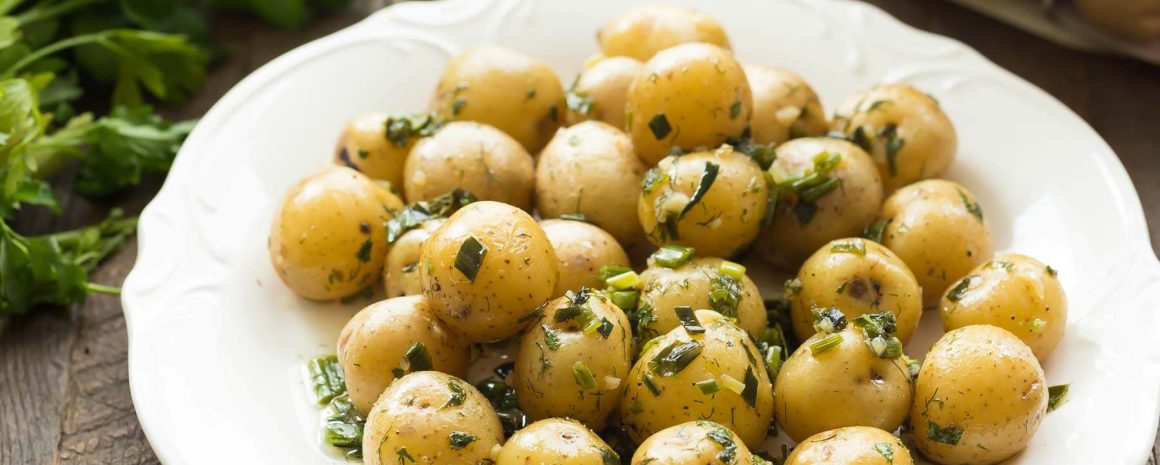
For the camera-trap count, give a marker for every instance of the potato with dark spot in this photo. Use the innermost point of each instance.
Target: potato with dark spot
(853, 445)
(694, 443)
(784, 106)
(697, 284)
(474, 157)
(556, 441)
(583, 249)
(601, 89)
(643, 31)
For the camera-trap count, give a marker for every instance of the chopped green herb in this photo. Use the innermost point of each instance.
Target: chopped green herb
(575, 217)
(326, 378)
(731, 269)
(725, 295)
(608, 456)
(886, 450)
(880, 331)
(579, 102)
(626, 280)
(648, 382)
(735, 110)
(364, 251)
(793, 287)
(626, 300)
(971, 206)
(572, 312)
(1052, 271)
(750, 392)
(688, 319)
(470, 258)
(672, 256)
(412, 216)
(458, 395)
(724, 438)
(535, 313)
(551, 339)
(805, 212)
(404, 455)
(708, 386)
(363, 154)
(854, 246)
(457, 106)
(842, 287)
(583, 375)
(892, 148)
(773, 361)
(344, 425)
(826, 343)
(812, 194)
(960, 289)
(707, 178)
(653, 178)
(659, 125)
(946, 435)
(1036, 324)
(608, 271)
(400, 130)
(605, 328)
(1057, 396)
(1004, 264)
(674, 358)
(460, 439)
(875, 230)
(828, 320)
(875, 105)
(417, 358)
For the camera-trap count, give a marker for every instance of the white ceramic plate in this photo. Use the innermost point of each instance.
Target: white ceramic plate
(217, 342)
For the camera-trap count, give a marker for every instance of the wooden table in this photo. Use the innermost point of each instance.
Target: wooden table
(64, 391)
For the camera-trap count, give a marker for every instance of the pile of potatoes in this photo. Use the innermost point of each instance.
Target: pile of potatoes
(511, 211)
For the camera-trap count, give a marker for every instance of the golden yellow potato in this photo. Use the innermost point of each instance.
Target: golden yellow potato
(513, 92)
(557, 441)
(784, 106)
(840, 194)
(401, 269)
(1014, 292)
(698, 442)
(688, 96)
(590, 169)
(854, 445)
(377, 145)
(858, 276)
(693, 284)
(1132, 19)
(327, 240)
(601, 89)
(583, 249)
(486, 267)
(391, 338)
(643, 31)
(979, 397)
(717, 374)
(903, 129)
(937, 228)
(422, 416)
(573, 360)
(474, 157)
(711, 201)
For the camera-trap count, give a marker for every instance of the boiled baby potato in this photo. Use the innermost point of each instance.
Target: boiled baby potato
(474, 157)
(784, 106)
(828, 189)
(487, 266)
(1014, 292)
(705, 369)
(573, 360)
(583, 249)
(937, 228)
(557, 441)
(430, 417)
(853, 445)
(590, 169)
(711, 201)
(705, 282)
(1132, 19)
(401, 269)
(377, 145)
(694, 443)
(904, 129)
(391, 338)
(601, 89)
(689, 96)
(327, 240)
(979, 397)
(643, 31)
(515, 93)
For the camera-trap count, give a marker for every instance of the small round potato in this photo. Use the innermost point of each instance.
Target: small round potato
(373, 345)
(643, 31)
(401, 270)
(573, 363)
(583, 249)
(784, 106)
(937, 228)
(474, 157)
(836, 209)
(858, 276)
(692, 284)
(979, 397)
(601, 90)
(591, 169)
(422, 416)
(693, 443)
(486, 267)
(688, 96)
(711, 201)
(515, 93)
(557, 441)
(847, 385)
(1132, 19)
(1014, 292)
(716, 375)
(377, 145)
(854, 445)
(904, 129)
(327, 240)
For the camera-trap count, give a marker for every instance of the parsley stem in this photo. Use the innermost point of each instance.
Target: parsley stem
(83, 39)
(102, 289)
(40, 14)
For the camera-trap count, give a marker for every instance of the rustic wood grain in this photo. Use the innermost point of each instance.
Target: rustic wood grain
(64, 394)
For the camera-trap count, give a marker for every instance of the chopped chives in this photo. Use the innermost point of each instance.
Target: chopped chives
(626, 300)
(814, 193)
(551, 338)
(647, 379)
(854, 246)
(569, 313)
(732, 384)
(458, 394)
(674, 358)
(470, 258)
(750, 392)
(688, 319)
(659, 125)
(828, 320)
(826, 343)
(956, 293)
(729, 268)
(583, 375)
(672, 256)
(326, 378)
(1056, 396)
(773, 361)
(708, 386)
(574, 217)
(608, 271)
(703, 186)
(417, 357)
(460, 439)
(946, 435)
(626, 280)
(875, 230)
(605, 328)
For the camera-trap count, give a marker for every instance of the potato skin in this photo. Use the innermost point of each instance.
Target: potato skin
(417, 413)
(871, 283)
(583, 249)
(401, 270)
(1014, 292)
(843, 212)
(853, 445)
(1132, 19)
(784, 106)
(727, 218)
(929, 141)
(687, 96)
(985, 382)
(363, 146)
(848, 385)
(690, 443)
(475, 157)
(643, 31)
(931, 227)
(590, 168)
(606, 84)
(690, 284)
(558, 441)
(726, 350)
(373, 344)
(327, 240)
(518, 272)
(513, 92)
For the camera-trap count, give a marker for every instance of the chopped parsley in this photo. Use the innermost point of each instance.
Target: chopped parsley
(417, 358)
(1052, 271)
(404, 455)
(724, 438)
(970, 205)
(659, 125)
(880, 331)
(458, 395)
(956, 293)
(1057, 396)
(364, 251)
(457, 106)
(470, 257)
(887, 451)
(400, 130)
(460, 439)
(735, 110)
(828, 320)
(725, 294)
(946, 435)
(551, 338)
(413, 215)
